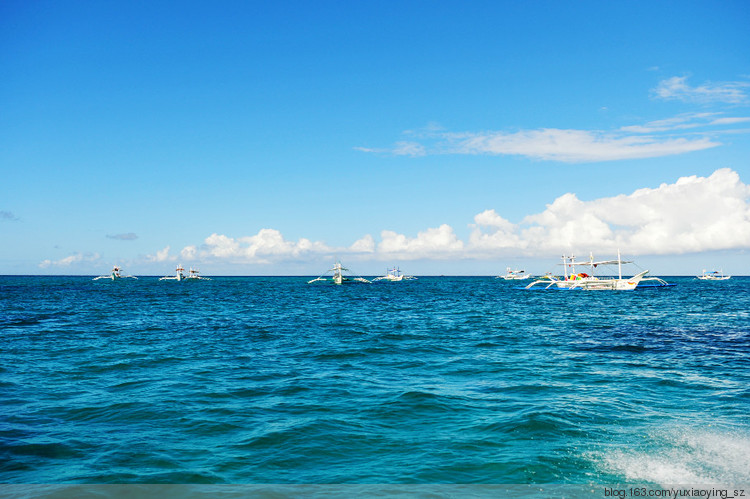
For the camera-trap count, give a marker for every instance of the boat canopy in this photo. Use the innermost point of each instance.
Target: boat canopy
(593, 263)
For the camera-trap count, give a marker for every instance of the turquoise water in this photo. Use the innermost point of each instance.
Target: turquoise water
(438, 380)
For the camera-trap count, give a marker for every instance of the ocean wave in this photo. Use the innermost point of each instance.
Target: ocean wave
(684, 455)
(268, 380)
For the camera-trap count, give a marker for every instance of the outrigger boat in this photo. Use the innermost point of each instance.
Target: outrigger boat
(587, 281)
(338, 277)
(194, 276)
(394, 275)
(716, 275)
(115, 275)
(179, 276)
(514, 275)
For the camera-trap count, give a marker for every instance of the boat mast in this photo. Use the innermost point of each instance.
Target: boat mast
(337, 273)
(619, 264)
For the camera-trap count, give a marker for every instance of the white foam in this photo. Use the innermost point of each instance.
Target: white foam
(684, 455)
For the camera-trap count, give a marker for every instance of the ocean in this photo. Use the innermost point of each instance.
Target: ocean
(440, 380)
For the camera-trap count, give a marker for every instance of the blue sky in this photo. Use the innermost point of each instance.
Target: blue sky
(444, 137)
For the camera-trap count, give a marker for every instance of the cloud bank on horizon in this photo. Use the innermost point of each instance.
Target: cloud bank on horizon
(693, 214)
(70, 260)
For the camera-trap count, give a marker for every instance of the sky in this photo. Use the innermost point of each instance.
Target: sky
(455, 138)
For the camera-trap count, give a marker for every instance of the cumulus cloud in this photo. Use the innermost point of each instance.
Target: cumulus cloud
(365, 244)
(693, 214)
(128, 236)
(492, 232)
(70, 260)
(440, 242)
(677, 88)
(189, 252)
(267, 246)
(161, 256)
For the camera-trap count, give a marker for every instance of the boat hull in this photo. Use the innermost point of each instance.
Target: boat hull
(592, 283)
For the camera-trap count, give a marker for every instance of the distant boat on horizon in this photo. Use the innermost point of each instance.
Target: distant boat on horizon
(514, 275)
(194, 275)
(338, 277)
(179, 276)
(714, 275)
(114, 275)
(587, 281)
(394, 275)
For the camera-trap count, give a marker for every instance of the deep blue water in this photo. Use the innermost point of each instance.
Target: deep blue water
(438, 380)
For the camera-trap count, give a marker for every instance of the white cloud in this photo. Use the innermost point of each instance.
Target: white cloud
(686, 121)
(489, 218)
(730, 121)
(680, 122)
(571, 145)
(440, 242)
(365, 244)
(502, 235)
(161, 256)
(402, 148)
(676, 88)
(221, 246)
(693, 214)
(409, 149)
(577, 146)
(582, 146)
(269, 246)
(189, 253)
(70, 260)
(129, 236)
(266, 246)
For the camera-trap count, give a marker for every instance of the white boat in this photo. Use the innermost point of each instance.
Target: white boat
(715, 275)
(337, 277)
(514, 275)
(115, 275)
(194, 275)
(394, 275)
(179, 275)
(587, 281)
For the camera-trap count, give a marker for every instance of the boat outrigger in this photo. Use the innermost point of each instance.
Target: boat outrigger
(716, 275)
(337, 277)
(194, 275)
(587, 281)
(179, 276)
(394, 275)
(514, 275)
(115, 275)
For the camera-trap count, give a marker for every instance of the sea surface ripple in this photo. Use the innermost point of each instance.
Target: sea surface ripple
(437, 380)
